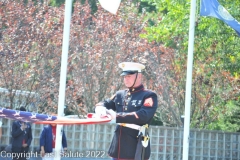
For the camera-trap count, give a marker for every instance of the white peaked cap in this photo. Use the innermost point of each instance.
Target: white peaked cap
(131, 67)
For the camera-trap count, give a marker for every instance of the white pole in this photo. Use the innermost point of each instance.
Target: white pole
(63, 73)
(189, 81)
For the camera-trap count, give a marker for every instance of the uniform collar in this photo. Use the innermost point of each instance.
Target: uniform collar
(136, 89)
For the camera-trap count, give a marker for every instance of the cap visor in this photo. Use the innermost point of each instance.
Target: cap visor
(124, 73)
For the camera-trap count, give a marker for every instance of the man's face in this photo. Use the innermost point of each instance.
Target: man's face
(129, 80)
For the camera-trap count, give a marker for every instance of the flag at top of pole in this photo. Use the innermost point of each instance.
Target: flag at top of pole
(110, 5)
(212, 8)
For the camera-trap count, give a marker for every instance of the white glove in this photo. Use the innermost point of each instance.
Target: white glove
(100, 111)
(113, 114)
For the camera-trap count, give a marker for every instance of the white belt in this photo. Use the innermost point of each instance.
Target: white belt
(141, 130)
(133, 126)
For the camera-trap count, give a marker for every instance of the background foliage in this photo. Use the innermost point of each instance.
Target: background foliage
(215, 90)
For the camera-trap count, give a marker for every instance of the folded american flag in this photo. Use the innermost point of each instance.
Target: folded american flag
(25, 116)
(50, 119)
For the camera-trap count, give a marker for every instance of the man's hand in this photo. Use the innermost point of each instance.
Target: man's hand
(23, 126)
(100, 111)
(24, 145)
(112, 113)
(42, 153)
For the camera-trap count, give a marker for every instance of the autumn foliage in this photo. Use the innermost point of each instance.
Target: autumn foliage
(31, 52)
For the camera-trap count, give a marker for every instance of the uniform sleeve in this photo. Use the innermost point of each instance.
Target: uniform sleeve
(29, 135)
(64, 140)
(43, 137)
(109, 103)
(144, 115)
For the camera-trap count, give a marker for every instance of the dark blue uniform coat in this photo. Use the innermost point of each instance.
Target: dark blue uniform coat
(46, 139)
(134, 106)
(18, 136)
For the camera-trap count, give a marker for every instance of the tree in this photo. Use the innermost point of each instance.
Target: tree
(100, 42)
(216, 62)
(97, 44)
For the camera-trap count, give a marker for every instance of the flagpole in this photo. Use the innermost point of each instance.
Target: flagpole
(63, 75)
(189, 81)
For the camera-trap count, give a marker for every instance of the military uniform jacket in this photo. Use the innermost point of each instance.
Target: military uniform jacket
(134, 106)
(18, 136)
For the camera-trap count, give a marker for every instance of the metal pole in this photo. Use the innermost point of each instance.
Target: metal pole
(63, 75)
(189, 81)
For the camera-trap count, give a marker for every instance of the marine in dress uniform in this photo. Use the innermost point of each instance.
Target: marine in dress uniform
(21, 138)
(131, 108)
